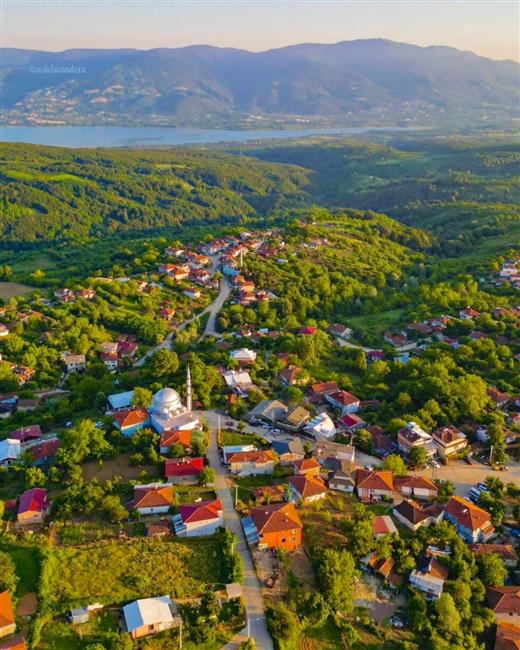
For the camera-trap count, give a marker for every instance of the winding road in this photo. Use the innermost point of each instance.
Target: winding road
(257, 623)
(213, 311)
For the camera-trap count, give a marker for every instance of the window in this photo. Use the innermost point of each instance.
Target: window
(283, 540)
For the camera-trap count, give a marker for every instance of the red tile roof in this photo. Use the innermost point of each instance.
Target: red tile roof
(179, 437)
(201, 511)
(34, 500)
(153, 497)
(323, 387)
(306, 465)
(16, 643)
(414, 482)
(506, 551)
(184, 466)
(467, 514)
(371, 480)
(344, 397)
(504, 600)
(131, 417)
(258, 456)
(25, 433)
(276, 517)
(308, 486)
(45, 449)
(507, 636)
(6, 610)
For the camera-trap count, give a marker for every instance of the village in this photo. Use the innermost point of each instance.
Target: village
(178, 431)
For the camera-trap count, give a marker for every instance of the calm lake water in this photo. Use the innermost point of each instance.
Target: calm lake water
(120, 136)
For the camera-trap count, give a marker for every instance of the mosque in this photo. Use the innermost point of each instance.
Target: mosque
(167, 412)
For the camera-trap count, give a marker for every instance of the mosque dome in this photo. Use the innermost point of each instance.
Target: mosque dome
(166, 402)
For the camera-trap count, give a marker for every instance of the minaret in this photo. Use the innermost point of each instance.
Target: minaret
(188, 390)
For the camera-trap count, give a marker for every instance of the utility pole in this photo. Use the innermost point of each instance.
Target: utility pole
(180, 636)
(248, 627)
(490, 453)
(236, 495)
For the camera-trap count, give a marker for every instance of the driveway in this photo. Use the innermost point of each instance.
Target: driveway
(252, 591)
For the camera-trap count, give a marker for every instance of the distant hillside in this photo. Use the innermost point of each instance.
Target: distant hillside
(354, 82)
(52, 194)
(462, 190)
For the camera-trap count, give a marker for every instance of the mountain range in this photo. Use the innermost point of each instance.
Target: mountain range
(363, 82)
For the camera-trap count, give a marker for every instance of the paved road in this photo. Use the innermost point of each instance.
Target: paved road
(466, 476)
(252, 592)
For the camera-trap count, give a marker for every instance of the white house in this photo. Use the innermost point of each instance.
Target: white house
(429, 577)
(150, 616)
(74, 362)
(244, 356)
(10, 450)
(153, 498)
(321, 427)
(199, 519)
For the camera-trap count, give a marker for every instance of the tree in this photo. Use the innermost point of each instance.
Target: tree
(363, 440)
(395, 463)
(113, 508)
(34, 477)
(311, 607)
(8, 577)
(164, 363)
(448, 617)
(337, 573)
(445, 489)
(492, 570)
(142, 398)
(418, 457)
(207, 476)
(283, 625)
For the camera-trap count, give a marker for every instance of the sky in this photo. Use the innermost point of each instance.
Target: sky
(487, 27)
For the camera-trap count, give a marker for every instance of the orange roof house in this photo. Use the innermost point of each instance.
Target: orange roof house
(153, 498)
(370, 484)
(7, 622)
(417, 487)
(306, 466)
(177, 437)
(276, 526)
(307, 488)
(506, 551)
(251, 462)
(473, 523)
(131, 420)
(507, 636)
(505, 603)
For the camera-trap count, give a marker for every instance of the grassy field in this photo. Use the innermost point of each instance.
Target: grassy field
(10, 290)
(62, 636)
(27, 562)
(235, 438)
(116, 572)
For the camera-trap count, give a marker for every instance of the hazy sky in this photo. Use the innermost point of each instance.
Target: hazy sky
(488, 27)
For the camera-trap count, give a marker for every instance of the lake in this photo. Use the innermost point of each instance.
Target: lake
(121, 136)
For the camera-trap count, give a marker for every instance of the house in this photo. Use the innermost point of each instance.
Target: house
(352, 422)
(246, 463)
(127, 349)
(506, 552)
(244, 356)
(416, 487)
(507, 636)
(3, 330)
(23, 373)
(412, 436)
(183, 470)
(429, 577)
(269, 411)
(86, 294)
(161, 529)
(373, 485)
(288, 451)
(26, 405)
(307, 488)
(172, 438)
(472, 523)
(290, 376)
(342, 331)
(384, 569)
(396, 340)
(306, 467)
(500, 399)
(344, 401)
(316, 393)
(150, 616)
(239, 381)
(468, 314)
(111, 360)
(382, 444)
(192, 293)
(108, 347)
(307, 331)
(7, 622)
(375, 355)
(505, 603)
(320, 427)
(449, 441)
(199, 519)
(74, 362)
(131, 420)
(64, 295)
(410, 514)
(229, 450)
(152, 499)
(27, 434)
(294, 419)
(341, 477)
(275, 525)
(326, 449)
(383, 525)
(44, 450)
(10, 450)
(33, 507)
(120, 401)
(15, 643)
